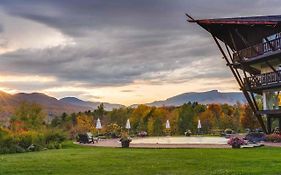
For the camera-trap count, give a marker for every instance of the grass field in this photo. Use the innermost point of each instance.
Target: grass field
(76, 160)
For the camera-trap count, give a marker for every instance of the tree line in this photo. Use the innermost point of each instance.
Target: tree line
(214, 118)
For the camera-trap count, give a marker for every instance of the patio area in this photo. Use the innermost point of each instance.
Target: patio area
(168, 142)
(181, 140)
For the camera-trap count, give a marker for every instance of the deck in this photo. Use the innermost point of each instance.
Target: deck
(265, 81)
(261, 50)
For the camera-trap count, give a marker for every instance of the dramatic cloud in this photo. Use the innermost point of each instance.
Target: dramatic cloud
(117, 44)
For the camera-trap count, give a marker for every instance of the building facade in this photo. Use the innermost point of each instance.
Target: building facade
(251, 47)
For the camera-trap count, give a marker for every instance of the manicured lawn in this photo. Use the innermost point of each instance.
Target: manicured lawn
(78, 160)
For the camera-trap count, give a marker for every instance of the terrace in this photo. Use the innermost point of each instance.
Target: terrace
(267, 48)
(264, 81)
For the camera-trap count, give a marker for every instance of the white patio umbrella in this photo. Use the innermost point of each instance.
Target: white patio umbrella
(98, 125)
(128, 125)
(199, 126)
(168, 124)
(167, 127)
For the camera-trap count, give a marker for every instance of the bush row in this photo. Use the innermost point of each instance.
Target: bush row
(24, 141)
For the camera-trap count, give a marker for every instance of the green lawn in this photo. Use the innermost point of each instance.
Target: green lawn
(78, 160)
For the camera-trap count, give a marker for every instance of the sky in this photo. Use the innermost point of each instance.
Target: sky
(118, 51)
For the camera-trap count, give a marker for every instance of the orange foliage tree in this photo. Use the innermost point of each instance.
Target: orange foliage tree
(28, 116)
(248, 120)
(84, 124)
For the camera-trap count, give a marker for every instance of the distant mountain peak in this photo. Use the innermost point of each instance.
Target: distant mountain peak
(74, 99)
(89, 104)
(207, 97)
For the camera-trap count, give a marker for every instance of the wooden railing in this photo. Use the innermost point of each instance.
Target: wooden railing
(265, 80)
(258, 49)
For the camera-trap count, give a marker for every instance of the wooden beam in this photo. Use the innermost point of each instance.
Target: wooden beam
(225, 57)
(279, 124)
(230, 56)
(245, 92)
(274, 70)
(190, 17)
(245, 41)
(269, 123)
(246, 78)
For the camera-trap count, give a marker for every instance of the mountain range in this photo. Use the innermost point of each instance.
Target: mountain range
(50, 105)
(53, 106)
(208, 97)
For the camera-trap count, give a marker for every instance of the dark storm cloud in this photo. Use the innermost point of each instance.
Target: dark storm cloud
(78, 17)
(118, 42)
(96, 66)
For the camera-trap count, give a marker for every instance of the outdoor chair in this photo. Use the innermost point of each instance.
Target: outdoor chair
(85, 138)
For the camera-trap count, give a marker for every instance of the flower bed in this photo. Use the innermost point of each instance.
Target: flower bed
(255, 137)
(273, 138)
(236, 142)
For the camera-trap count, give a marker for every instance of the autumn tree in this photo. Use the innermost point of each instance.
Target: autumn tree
(227, 117)
(172, 116)
(84, 124)
(28, 116)
(216, 110)
(207, 121)
(114, 130)
(248, 120)
(186, 118)
(140, 116)
(156, 118)
(119, 116)
(99, 112)
(158, 126)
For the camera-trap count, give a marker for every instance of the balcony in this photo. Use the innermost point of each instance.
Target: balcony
(258, 50)
(265, 81)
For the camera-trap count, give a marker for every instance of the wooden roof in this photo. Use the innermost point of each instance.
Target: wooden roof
(241, 29)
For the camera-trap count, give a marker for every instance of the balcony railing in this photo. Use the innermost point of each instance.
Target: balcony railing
(265, 80)
(258, 49)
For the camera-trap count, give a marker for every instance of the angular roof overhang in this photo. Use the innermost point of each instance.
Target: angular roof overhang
(242, 32)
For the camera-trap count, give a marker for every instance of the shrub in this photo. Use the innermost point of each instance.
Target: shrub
(3, 132)
(273, 138)
(11, 149)
(54, 136)
(236, 142)
(33, 147)
(27, 138)
(30, 141)
(8, 144)
(113, 130)
(54, 145)
(24, 140)
(255, 137)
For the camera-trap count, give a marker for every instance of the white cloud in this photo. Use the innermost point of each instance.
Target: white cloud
(20, 33)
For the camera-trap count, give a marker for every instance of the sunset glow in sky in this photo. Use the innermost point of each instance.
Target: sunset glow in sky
(125, 51)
